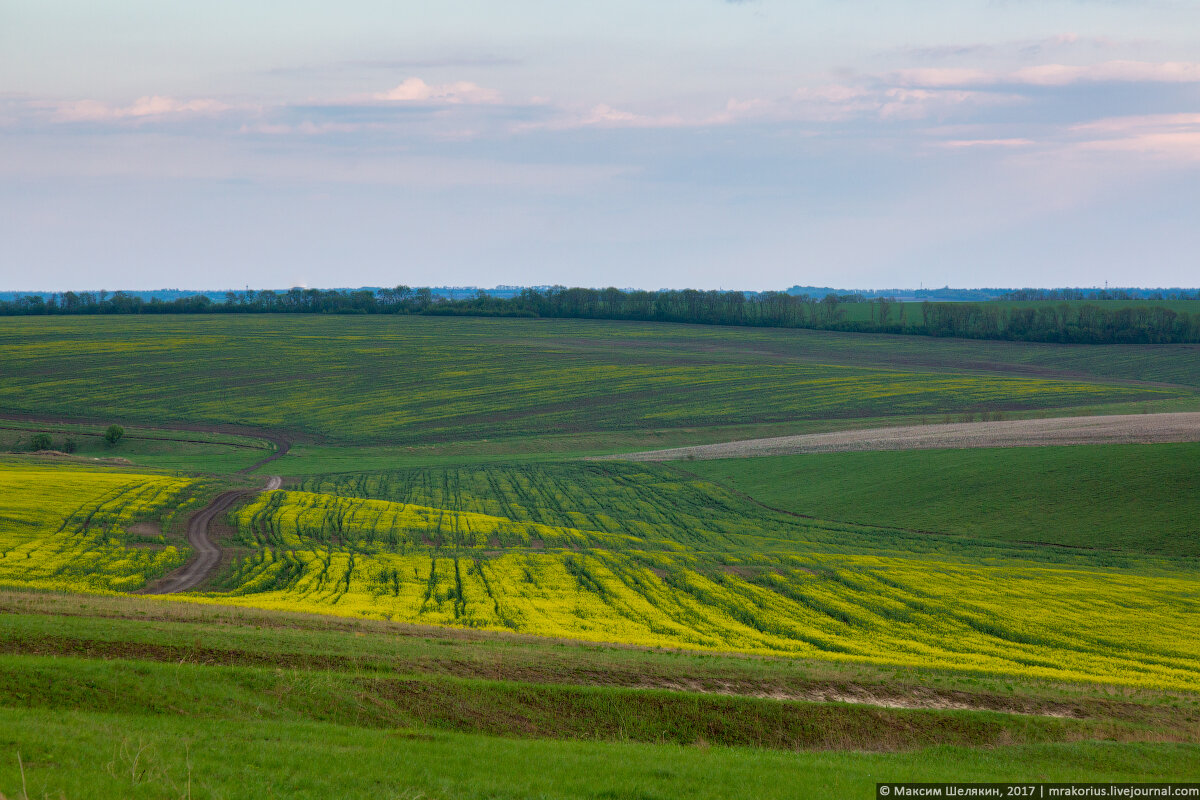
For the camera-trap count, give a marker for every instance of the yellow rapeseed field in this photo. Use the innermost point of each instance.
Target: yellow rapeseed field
(67, 528)
(638, 554)
(643, 556)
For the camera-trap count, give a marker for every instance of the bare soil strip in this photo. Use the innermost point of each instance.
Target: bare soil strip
(208, 552)
(1114, 429)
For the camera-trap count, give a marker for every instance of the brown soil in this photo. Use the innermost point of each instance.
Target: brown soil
(1115, 429)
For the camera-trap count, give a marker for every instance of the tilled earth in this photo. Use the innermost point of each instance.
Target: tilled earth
(1115, 429)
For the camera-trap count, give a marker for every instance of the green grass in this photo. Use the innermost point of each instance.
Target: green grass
(417, 381)
(526, 709)
(192, 451)
(160, 630)
(141, 697)
(130, 756)
(1127, 497)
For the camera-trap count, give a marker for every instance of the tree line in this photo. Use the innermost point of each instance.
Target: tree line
(1048, 321)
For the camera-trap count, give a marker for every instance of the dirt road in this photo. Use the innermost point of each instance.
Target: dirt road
(207, 552)
(1116, 429)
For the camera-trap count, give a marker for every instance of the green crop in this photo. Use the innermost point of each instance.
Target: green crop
(647, 555)
(423, 380)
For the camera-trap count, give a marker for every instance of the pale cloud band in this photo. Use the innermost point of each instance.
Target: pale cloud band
(900, 97)
(514, 145)
(1052, 74)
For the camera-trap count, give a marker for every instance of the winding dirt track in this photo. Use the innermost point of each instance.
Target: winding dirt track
(1115, 429)
(208, 552)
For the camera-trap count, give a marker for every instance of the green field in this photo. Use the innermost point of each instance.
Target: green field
(418, 381)
(1126, 497)
(646, 555)
(123, 697)
(443, 593)
(866, 312)
(72, 753)
(194, 451)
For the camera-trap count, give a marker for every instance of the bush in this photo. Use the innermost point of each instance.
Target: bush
(69, 446)
(40, 441)
(113, 434)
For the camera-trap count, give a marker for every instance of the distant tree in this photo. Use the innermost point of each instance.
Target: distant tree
(114, 434)
(69, 446)
(885, 310)
(40, 441)
(830, 304)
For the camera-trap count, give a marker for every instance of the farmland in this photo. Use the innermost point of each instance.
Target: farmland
(223, 698)
(419, 381)
(443, 578)
(645, 555)
(157, 448)
(85, 530)
(1055, 495)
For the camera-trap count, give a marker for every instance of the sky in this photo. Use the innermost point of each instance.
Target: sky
(673, 143)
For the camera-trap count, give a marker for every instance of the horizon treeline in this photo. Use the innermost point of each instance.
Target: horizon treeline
(1057, 317)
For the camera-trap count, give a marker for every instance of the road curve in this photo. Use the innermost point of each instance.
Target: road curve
(207, 552)
(281, 448)
(1111, 429)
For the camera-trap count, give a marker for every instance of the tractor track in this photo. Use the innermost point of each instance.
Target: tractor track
(207, 551)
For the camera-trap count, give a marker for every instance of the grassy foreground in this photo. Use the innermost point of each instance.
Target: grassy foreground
(126, 756)
(126, 697)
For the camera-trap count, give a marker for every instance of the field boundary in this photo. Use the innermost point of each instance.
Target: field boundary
(1108, 429)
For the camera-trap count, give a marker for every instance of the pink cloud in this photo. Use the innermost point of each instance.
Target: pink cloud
(605, 116)
(1118, 125)
(962, 143)
(1178, 145)
(1052, 74)
(458, 93)
(1169, 136)
(149, 107)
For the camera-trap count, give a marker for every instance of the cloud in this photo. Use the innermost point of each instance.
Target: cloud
(1175, 137)
(828, 104)
(603, 115)
(1022, 47)
(963, 143)
(149, 107)
(1050, 75)
(472, 62)
(459, 93)
(1167, 141)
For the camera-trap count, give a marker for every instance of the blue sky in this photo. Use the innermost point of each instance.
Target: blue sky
(703, 143)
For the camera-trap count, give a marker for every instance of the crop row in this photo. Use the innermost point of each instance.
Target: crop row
(73, 529)
(646, 555)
